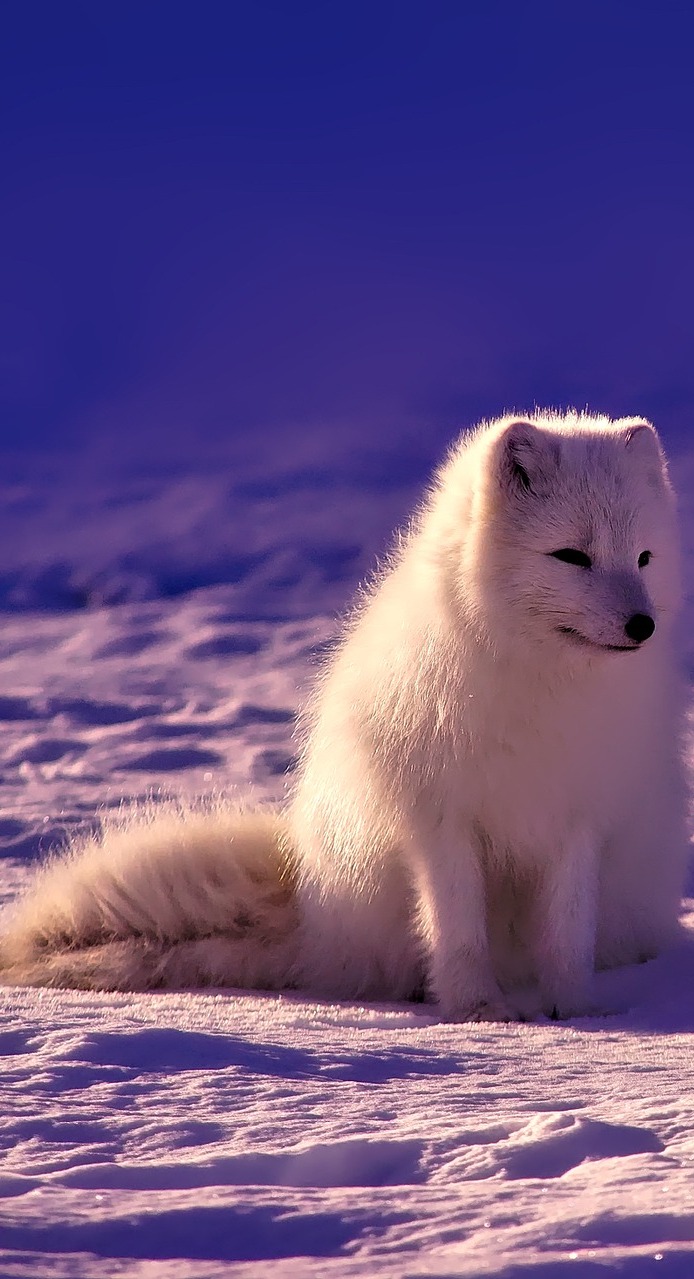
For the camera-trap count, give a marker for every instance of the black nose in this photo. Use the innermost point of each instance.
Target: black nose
(640, 627)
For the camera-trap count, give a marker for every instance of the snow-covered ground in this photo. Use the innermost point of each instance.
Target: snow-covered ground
(160, 626)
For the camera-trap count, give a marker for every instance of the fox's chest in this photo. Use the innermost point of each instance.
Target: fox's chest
(577, 765)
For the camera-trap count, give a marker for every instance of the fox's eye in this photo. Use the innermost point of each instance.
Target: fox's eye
(570, 556)
(644, 559)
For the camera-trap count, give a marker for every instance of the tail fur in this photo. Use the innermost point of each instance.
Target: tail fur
(165, 897)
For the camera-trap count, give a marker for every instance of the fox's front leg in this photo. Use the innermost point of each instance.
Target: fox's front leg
(564, 927)
(453, 923)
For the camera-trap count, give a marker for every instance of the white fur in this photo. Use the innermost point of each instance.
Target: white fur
(166, 896)
(491, 789)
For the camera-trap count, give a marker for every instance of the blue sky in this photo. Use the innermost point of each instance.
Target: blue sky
(229, 217)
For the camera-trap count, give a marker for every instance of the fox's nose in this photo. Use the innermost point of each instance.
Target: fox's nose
(640, 627)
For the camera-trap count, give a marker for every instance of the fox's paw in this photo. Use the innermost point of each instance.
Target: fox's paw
(563, 1008)
(497, 1008)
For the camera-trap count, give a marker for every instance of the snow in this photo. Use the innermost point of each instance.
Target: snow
(161, 625)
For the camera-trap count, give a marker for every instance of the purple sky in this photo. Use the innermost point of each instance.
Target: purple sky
(229, 217)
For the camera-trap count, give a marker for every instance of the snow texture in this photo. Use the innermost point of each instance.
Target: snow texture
(161, 627)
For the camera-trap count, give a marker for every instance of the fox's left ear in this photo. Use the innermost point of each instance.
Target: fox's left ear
(642, 444)
(528, 457)
(640, 436)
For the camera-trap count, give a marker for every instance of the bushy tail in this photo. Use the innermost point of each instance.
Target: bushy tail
(164, 897)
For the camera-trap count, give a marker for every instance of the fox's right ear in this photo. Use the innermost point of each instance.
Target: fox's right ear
(527, 457)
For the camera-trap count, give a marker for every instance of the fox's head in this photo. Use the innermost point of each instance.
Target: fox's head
(573, 533)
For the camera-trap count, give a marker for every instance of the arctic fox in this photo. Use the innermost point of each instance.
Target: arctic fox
(490, 791)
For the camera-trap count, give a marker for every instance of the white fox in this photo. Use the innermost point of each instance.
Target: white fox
(490, 791)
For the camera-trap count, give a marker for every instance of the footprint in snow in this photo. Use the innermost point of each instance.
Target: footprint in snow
(47, 750)
(131, 645)
(551, 1145)
(227, 646)
(170, 760)
(358, 1161)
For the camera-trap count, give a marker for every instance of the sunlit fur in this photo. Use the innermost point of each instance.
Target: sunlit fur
(490, 791)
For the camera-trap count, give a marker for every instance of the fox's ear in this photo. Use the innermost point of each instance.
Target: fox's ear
(642, 444)
(641, 440)
(528, 457)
